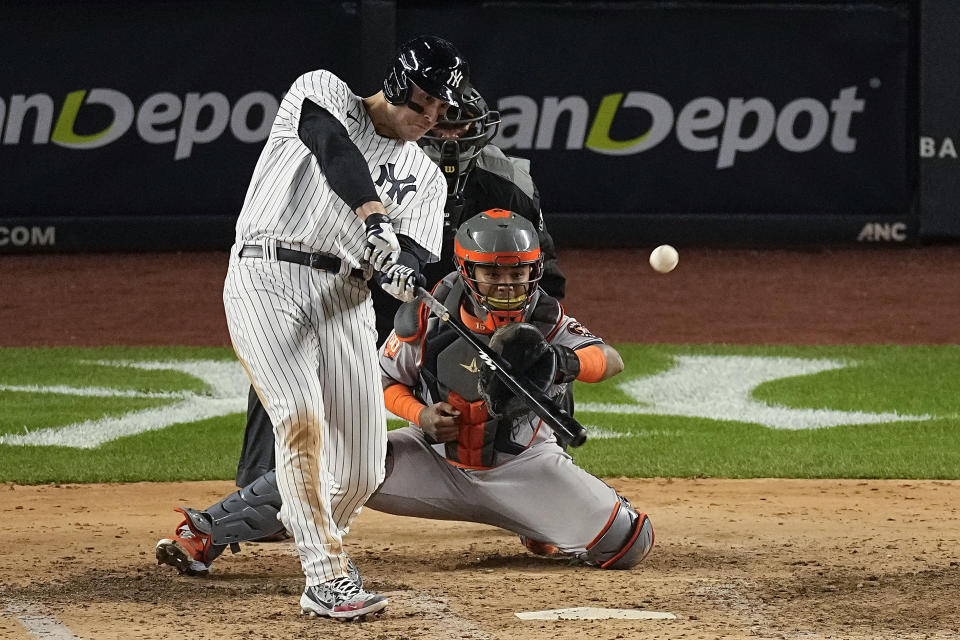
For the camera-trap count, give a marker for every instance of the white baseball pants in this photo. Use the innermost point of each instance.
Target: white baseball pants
(307, 340)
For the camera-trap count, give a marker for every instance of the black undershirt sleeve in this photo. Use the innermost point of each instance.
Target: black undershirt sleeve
(417, 256)
(341, 161)
(411, 255)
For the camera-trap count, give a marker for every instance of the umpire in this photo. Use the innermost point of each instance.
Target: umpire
(479, 177)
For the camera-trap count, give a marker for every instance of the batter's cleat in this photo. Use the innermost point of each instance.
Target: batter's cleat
(353, 573)
(340, 598)
(189, 551)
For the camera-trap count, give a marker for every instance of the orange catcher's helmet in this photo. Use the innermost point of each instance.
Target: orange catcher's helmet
(506, 248)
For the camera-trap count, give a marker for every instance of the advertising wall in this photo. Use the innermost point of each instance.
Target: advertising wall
(767, 119)
(940, 119)
(695, 122)
(138, 126)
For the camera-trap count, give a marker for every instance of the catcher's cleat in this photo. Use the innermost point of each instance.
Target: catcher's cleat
(189, 551)
(340, 598)
(542, 549)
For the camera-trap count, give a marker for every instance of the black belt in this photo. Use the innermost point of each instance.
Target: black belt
(322, 261)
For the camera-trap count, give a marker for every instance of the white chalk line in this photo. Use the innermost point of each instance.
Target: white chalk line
(598, 432)
(37, 624)
(438, 609)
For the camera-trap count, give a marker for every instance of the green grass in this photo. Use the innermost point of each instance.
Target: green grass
(206, 450)
(76, 367)
(689, 447)
(913, 380)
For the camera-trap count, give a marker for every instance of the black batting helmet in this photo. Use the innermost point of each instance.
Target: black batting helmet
(431, 63)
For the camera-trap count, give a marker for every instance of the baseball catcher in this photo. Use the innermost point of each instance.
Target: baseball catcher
(471, 452)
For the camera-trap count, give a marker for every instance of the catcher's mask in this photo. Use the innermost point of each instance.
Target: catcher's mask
(500, 240)
(434, 65)
(459, 136)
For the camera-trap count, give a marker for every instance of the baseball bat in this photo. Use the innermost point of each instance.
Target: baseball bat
(565, 427)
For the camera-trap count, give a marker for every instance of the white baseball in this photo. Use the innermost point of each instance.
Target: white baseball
(664, 259)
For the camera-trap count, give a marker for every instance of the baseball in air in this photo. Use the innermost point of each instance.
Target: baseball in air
(664, 259)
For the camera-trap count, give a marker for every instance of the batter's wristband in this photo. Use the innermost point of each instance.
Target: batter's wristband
(400, 401)
(376, 218)
(568, 364)
(593, 363)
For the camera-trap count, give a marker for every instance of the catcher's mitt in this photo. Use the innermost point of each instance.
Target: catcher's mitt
(532, 361)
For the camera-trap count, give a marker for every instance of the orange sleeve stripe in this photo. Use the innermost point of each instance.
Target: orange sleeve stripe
(400, 401)
(592, 363)
(460, 465)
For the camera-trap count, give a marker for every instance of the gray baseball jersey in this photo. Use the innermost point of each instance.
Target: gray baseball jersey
(306, 336)
(532, 487)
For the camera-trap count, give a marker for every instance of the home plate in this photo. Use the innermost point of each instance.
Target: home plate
(594, 613)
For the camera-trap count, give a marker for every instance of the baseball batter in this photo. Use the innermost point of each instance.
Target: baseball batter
(340, 191)
(472, 452)
(479, 177)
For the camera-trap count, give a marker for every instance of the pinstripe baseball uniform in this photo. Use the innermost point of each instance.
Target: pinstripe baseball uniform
(306, 335)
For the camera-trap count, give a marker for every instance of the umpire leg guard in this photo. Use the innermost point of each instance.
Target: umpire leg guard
(247, 514)
(624, 541)
(256, 456)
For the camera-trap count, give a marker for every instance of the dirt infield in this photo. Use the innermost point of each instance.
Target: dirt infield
(733, 559)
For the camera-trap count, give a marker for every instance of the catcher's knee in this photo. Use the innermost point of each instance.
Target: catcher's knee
(624, 542)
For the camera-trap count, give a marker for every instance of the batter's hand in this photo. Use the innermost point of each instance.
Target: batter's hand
(440, 421)
(382, 245)
(401, 282)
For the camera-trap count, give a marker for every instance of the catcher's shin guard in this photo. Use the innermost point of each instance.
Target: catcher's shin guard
(247, 514)
(624, 541)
